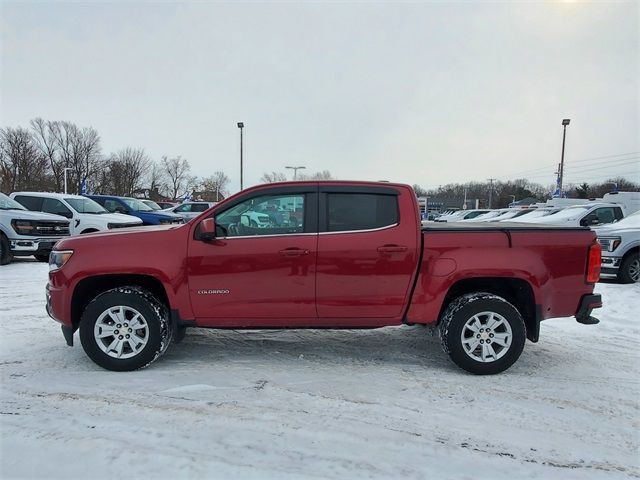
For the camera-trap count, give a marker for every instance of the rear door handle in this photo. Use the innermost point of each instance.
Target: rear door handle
(392, 248)
(293, 252)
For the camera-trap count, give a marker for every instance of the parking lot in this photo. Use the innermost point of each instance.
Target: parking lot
(336, 404)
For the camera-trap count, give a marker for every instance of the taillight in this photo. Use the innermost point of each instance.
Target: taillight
(593, 263)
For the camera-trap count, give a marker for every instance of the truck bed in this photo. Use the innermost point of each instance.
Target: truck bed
(494, 226)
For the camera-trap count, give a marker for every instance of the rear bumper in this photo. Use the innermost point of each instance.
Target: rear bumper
(587, 304)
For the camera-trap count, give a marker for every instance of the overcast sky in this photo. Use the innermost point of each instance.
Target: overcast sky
(426, 93)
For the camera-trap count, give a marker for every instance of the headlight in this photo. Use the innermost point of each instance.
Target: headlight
(165, 221)
(609, 244)
(57, 258)
(23, 227)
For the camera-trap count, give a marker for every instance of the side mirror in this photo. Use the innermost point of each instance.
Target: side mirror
(120, 210)
(208, 229)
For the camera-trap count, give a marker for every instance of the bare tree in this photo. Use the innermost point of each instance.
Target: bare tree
(271, 177)
(177, 171)
(323, 175)
(79, 149)
(22, 167)
(126, 170)
(156, 179)
(44, 136)
(217, 184)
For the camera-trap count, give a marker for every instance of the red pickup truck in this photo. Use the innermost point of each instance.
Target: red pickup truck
(321, 255)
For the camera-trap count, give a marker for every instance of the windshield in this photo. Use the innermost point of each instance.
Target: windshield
(571, 212)
(7, 203)
(491, 214)
(152, 204)
(137, 205)
(85, 205)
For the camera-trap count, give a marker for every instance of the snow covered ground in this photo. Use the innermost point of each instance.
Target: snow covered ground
(318, 404)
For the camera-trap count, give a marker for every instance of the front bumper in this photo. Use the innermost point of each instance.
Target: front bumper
(587, 304)
(30, 246)
(610, 266)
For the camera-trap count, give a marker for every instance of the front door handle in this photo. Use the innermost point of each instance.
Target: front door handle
(392, 248)
(293, 252)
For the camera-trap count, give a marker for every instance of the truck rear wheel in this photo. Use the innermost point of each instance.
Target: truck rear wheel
(125, 329)
(482, 333)
(5, 250)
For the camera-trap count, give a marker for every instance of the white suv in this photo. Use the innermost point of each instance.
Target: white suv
(84, 214)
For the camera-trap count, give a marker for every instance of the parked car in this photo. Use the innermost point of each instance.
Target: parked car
(85, 215)
(24, 233)
(514, 215)
(152, 204)
(536, 214)
(189, 210)
(136, 208)
(165, 205)
(358, 259)
(586, 215)
(621, 249)
(461, 215)
(485, 217)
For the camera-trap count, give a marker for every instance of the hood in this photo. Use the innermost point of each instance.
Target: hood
(29, 215)
(161, 214)
(119, 218)
(114, 235)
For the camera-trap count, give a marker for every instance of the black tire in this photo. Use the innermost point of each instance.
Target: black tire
(463, 309)
(5, 250)
(153, 312)
(42, 257)
(629, 269)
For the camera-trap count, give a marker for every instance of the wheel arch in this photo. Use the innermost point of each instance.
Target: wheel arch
(516, 291)
(89, 288)
(89, 230)
(631, 251)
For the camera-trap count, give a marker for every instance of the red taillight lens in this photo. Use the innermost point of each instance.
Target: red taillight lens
(593, 263)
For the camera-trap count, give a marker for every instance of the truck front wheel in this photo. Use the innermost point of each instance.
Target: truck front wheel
(5, 250)
(125, 329)
(630, 269)
(482, 333)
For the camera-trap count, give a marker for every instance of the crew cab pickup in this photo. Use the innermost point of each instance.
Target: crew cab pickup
(338, 255)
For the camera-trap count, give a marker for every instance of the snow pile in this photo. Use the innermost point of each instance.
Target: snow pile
(323, 404)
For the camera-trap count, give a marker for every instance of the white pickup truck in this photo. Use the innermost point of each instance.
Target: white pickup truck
(24, 233)
(620, 243)
(84, 214)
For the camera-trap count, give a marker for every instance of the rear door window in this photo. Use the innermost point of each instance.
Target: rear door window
(199, 207)
(361, 211)
(30, 203)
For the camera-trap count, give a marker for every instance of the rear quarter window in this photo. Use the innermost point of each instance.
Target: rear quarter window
(360, 211)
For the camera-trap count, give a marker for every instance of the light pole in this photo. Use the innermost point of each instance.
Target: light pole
(65, 178)
(565, 122)
(241, 126)
(295, 171)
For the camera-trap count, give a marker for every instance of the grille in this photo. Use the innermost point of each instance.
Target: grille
(51, 229)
